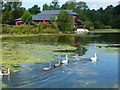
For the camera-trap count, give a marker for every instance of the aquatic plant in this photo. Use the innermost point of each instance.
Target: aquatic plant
(16, 54)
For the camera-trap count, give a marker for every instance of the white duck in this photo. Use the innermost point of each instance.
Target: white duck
(94, 59)
(65, 61)
(5, 74)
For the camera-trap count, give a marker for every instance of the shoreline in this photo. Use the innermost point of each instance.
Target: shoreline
(94, 31)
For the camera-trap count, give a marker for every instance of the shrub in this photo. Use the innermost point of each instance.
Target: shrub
(97, 25)
(50, 30)
(29, 29)
(5, 28)
(88, 25)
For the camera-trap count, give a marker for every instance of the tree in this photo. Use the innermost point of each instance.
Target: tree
(27, 17)
(88, 25)
(34, 10)
(7, 17)
(65, 21)
(115, 19)
(53, 19)
(69, 5)
(11, 11)
(97, 25)
(81, 5)
(54, 5)
(45, 7)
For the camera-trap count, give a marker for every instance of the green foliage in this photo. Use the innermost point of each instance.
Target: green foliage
(75, 6)
(27, 17)
(54, 5)
(7, 17)
(97, 25)
(18, 13)
(45, 7)
(11, 11)
(47, 28)
(24, 29)
(65, 21)
(30, 29)
(82, 14)
(115, 20)
(68, 6)
(53, 20)
(88, 25)
(34, 10)
(5, 28)
(81, 6)
(50, 30)
(109, 16)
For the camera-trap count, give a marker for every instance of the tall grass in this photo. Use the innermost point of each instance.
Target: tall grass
(30, 29)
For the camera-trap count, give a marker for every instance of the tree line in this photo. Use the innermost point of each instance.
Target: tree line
(100, 18)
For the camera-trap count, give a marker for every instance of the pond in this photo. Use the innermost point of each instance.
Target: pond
(27, 56)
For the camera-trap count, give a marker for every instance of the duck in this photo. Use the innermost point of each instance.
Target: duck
(65, 61)
(5, 74)
(94, 59)
(47, 68)
(57, 65)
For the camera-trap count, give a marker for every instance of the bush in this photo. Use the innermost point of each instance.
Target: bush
(97, 25)
(23, 26)
(5, 28)
(88, 25)
(31, 29)
(50, 30)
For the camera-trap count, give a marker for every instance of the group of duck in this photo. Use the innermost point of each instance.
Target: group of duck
(57, 65)
(93, 59)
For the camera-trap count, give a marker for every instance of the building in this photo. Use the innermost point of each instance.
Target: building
(45, 16)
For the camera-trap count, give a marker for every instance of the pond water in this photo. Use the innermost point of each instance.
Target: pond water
(28, 55)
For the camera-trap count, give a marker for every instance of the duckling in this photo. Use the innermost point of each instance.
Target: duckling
(47, 68)
(5, 74)
(57, 65)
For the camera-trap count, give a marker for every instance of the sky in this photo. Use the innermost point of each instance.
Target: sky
(92, 4)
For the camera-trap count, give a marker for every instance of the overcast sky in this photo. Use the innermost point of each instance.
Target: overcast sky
(92, 4)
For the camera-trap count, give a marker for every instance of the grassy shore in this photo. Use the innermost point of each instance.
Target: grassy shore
(27, 35)
(106, 30)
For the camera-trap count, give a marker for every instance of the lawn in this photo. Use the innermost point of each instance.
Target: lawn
(106, 30)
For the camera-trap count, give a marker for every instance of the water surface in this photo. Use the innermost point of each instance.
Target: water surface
(28, 55)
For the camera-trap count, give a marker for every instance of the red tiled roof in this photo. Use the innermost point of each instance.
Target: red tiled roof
(19, 21)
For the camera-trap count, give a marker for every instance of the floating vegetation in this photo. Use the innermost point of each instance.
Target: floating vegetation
(3, 85)
(90, 73)
(86, 82)
(15, 54)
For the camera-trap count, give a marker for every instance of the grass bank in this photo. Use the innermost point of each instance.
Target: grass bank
(28, 35)
(106, 30)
